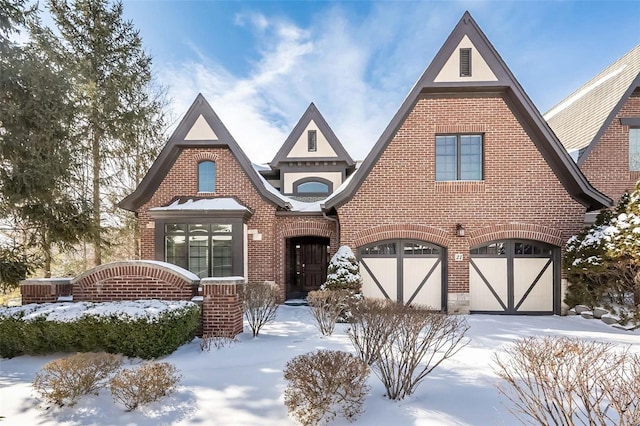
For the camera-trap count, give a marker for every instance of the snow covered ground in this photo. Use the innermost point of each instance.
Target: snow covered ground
(242, 384)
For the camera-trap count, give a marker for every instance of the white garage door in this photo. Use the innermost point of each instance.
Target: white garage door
(404, 270)
(514, 277)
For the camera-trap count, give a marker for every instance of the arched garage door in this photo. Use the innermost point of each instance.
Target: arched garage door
(514, 277)
(404, 270)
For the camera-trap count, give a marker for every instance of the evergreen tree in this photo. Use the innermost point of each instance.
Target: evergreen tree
(624, 244)
(112, 94)
(35, 151)
(343, 271)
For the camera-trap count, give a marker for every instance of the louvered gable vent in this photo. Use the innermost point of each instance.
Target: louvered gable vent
(465, 62)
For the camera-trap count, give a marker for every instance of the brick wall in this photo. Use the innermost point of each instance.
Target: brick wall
(132, 280)
(266, 255)
(45, 290)
(222, 306)
(520, 196)
(607, 166)
(219, 299)
(231, 181)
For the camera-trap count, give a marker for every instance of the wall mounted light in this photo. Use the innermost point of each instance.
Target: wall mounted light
(459, 230)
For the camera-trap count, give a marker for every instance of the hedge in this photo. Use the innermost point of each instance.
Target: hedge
(145, 328)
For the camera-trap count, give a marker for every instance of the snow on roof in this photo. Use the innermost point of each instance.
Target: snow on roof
(203, 204)
(340, 188)
(260, 167)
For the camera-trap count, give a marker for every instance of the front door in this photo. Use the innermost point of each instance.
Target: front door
(308, 257)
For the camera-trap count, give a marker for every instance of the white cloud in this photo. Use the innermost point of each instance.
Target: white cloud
(357, 69)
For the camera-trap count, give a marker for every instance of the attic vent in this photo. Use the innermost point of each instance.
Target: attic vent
(465, 62)
(312, 141)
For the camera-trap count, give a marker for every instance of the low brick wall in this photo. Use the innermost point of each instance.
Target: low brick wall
(133, 280)
(45, 290)
(222, 306)
(220, 299)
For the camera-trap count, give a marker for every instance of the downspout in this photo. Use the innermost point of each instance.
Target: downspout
(332, 219)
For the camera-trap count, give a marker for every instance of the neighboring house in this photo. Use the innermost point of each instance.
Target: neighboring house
(600, 122)
(464, 203)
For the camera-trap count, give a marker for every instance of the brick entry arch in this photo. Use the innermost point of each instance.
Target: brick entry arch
(287, 228)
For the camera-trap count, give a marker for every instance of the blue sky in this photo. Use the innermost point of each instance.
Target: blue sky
(260, 64)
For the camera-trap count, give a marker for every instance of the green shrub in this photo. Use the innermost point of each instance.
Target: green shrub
(65, 380)
(145, 384)
(324, 383)
(42, 329)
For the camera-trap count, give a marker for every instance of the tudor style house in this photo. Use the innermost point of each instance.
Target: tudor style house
(464, 203)
(600, 124)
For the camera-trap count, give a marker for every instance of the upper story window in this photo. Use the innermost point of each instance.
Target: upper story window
(315, 186)
(634, 149)
(207, 176)
(312, 140)
(459, 157)
(465, 62)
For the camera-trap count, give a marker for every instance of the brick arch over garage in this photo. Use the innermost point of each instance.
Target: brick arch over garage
(291, 227)
(134, 280)
(526, 231)
(402, 231)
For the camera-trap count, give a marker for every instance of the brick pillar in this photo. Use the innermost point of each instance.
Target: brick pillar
(46, 290)
(222, 306)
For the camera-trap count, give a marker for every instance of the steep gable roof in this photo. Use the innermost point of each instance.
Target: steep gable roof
(200, 127)
(495, 76)
(581, 118)
(311, 116)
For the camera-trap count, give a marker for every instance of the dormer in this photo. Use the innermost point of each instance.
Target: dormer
(312, 162)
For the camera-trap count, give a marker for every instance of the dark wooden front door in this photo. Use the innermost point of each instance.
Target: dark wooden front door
(308, 257)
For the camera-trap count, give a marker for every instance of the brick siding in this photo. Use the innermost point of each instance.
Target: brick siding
(607, 166)
(520, 196)
(266, 256)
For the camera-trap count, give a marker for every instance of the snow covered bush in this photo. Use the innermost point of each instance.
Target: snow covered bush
(567, 381)
(260, 305)
(326, 307)
(603, 261)
(323, 384)
(419, 340)
(343, 272)
(144, 328)
(65, 380)
(148, 383)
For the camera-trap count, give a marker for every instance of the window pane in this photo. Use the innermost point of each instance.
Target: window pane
(221, 256)
(470, 157)
(381, 249)
(313, 187)
(176, 250)
(207, 176)
(634, 149)
(446, 162)
(199, 250)
(419, 249)
(220, 228)
(174, 228)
